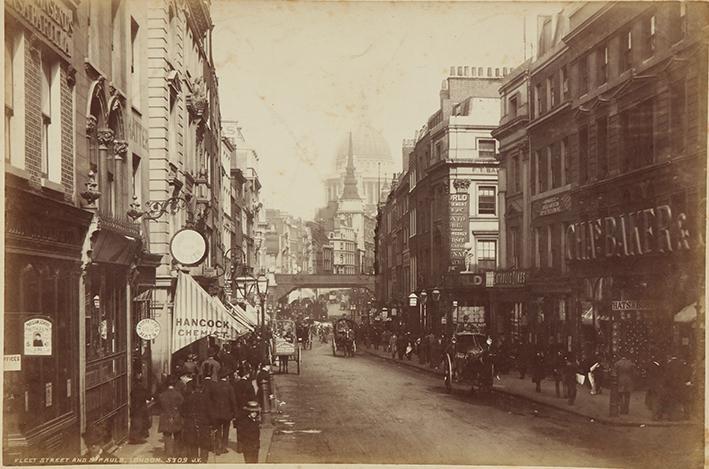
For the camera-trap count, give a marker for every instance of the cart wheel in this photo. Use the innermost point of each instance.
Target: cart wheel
(448, 379)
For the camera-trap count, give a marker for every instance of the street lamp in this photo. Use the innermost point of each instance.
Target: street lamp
(422, 313)
(262, 291)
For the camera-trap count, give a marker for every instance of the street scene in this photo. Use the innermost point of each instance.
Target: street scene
(296, 233)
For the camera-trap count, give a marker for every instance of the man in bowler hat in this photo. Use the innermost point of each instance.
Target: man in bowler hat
(250, 432)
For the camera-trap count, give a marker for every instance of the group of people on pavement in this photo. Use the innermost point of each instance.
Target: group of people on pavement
(204, 398)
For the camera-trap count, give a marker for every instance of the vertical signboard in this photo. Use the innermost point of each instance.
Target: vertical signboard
(459, 206)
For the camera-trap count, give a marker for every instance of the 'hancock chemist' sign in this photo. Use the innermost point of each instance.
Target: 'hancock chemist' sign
(38, 337)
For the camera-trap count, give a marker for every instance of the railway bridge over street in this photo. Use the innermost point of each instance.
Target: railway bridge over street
(286, 283)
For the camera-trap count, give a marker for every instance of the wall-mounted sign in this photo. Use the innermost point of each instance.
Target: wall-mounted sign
(510, 278)
(147, 329)
(51, 18)
(38, 337)
(48, 394)
(652, 230)
(458, 221)
(188, 247)
(12, 362)
(632, 305)
(551, 205)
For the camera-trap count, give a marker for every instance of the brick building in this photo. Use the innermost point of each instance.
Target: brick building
(613, 194)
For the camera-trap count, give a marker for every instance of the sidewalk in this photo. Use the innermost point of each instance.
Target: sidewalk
(586, 405)
(152, 451)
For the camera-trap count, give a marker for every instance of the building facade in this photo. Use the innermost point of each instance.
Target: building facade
(613, 196)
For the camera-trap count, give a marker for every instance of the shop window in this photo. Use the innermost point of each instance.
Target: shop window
(678, 116)
(626, 55)
(486, 251)
(602, 61)
(564, 83)
(637, 135)
(583, 78)
(583, 154)
(650, 32)
(105, 309)
(486, 200)
(486, 148)
(602, 146)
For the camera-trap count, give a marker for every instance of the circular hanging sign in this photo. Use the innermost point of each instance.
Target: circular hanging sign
(147, 329)
(188, 247)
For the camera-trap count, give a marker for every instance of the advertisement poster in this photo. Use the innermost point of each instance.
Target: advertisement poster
(38, 337)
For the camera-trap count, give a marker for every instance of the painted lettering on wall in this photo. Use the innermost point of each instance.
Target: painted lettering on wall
(652, 230)
(53, 20)
(458, 218)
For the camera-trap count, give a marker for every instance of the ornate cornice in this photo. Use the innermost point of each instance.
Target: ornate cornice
(120, 147)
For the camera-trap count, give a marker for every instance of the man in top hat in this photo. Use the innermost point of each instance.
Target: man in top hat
(250, 432)
(221, 402)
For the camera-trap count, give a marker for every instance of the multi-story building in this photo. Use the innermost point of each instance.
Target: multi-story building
(78, 270)
(616, 180)
(344, 250)
(185, 154)
(451, 237)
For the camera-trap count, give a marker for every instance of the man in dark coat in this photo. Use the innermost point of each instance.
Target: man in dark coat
(220, 397)
(569, 376)
(139, 417)
(195, 433)
(250, 433)
(211, 367)
(538, 370)
(170, 426)
(243, 393)
(624, 370)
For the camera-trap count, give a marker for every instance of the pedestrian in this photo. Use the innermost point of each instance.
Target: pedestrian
(220, 397)
(522, 358)
(401, 346)
(538, 370)
(170, 401)
(243, 393)
(594, 373)
(250, 433)
(139, 416)
(624, 370)
(654, 385)
(569, 377)
(558, 372)
(677, 380)
(190, 366)
(393, 340)
(211, 367)
(196, 427)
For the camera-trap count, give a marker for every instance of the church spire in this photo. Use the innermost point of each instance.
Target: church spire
(350, 190)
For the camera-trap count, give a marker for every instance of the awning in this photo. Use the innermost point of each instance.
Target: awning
(197, 314)
(145, 296)
(241, 316)
(251, 313)
(687, 314)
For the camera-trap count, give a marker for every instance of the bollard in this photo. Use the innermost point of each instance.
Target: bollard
(264, 384)
(614, 399)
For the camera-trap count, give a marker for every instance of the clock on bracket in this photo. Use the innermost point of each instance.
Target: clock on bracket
(188, 247)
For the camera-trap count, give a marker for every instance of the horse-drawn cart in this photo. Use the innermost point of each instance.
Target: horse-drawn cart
(468, 361)
(285, 345)
(343, 338)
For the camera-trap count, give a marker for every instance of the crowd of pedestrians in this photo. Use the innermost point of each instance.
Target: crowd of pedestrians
(204, 398)
(668, 383)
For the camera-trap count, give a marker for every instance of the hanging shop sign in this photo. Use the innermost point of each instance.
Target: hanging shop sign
(459, 216)
(38, 337)
(632, 305)
(147, 329)
(188, 247)
(508, 278)
(652, 230)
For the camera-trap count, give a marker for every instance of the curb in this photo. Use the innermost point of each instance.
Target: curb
(603, 420)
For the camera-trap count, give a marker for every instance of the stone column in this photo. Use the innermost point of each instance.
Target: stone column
(120, 148)
(105, 139)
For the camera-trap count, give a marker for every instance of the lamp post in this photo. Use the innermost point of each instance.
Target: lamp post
(413, 301)
(423, 314)
(436, 296)
(262, 291)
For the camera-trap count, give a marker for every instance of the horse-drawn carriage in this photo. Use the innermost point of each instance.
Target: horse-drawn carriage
(343, 338)
(285, 344)
(304, 334)
(468, 360)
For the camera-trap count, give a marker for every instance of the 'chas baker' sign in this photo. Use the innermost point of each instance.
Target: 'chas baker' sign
(652, 230)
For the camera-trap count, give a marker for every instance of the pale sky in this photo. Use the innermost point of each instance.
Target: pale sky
(298, 75)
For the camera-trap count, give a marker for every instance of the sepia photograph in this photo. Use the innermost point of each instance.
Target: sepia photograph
(355, 232)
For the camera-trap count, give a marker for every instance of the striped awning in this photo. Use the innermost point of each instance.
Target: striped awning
(240, 314)
(197, 314)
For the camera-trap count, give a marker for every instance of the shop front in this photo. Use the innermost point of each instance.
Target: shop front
(41, 318)
(509, 297)
(465, 298)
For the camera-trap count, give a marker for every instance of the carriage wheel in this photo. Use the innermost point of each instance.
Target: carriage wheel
(448, 370)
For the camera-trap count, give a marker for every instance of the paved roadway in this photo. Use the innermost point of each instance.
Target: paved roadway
(371, 411)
